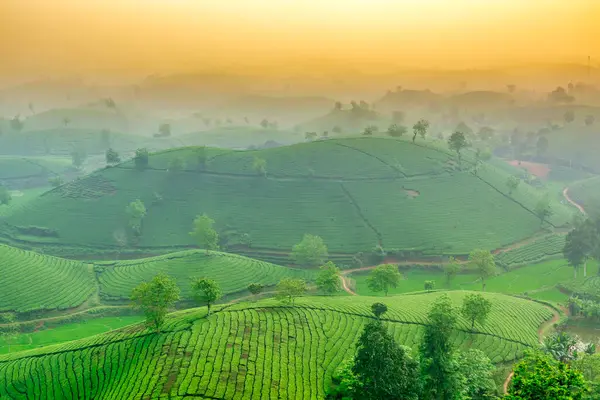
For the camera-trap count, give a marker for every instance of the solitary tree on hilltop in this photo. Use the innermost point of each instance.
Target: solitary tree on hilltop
(66, 121)
(475, 308)
(483, 262)
(457, 142)
(420, 128)
(112, 157)
(384, 277)
(370, 130)
(328, 279)
(311, 251)
(204, 233)
(378, 309)
(200, 154)
(206, 291)
(289, 288)
(155, 298)
(78, 156)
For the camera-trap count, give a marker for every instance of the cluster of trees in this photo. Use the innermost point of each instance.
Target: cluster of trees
(583, 244)
(383, 369)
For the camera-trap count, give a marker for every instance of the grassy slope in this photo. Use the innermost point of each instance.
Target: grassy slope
(232, 272)
(537, 281)
(32, 167)
(32, 281)
(353, 192)
(247, 350)
(63, 333)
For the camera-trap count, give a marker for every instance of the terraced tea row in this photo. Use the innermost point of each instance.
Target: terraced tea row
(32, 281)
(233, 273)
(544, 247)
(249, 350)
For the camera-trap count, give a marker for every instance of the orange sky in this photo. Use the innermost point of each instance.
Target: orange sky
(161, 36)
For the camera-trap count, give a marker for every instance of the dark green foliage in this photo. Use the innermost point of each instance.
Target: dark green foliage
(541, 377)
(378, 309)
(429, 285)
(207, 291)
(561, 346)
(451, 269)
(136, 211)
(477, 372)
(344, 382)
(112, 157)
(141, 158)
(155, 298)
(383, 369)
(78, 157)
(255, 288)
(439, 368)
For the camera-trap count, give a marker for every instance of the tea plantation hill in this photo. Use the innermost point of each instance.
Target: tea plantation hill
(356, 193)
(34, 284)
(249, 350)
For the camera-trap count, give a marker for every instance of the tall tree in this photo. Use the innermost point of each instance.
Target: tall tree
(311, 251)
(383, 368)
(483, 262)
(562, 346)
(439, 370)
(475, 308)
(259, 165)
(207, 291)
(477, 375)
(328, 279)
(451, 269)
(378, 309)
(396, 130)
(155, 298)
(512, 183)
(141, 158)
(420, 128)
(543, 210)
(540, 377)
(457, 142)
(204, 232)
(136, 211)
(289, 288)
(384, 277)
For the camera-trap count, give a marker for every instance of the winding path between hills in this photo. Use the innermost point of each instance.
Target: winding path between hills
(573, 202)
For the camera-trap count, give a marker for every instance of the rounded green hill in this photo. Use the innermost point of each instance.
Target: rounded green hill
(356, 193)
(249, 350)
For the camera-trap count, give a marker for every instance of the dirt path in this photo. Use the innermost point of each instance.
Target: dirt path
(345, 285)
(507, 381)
(579, 206)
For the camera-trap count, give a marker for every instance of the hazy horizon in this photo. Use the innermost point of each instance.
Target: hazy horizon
(120, 39)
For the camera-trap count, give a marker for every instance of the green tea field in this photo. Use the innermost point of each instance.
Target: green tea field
(31, 281)
(248, 350)
(356, 193)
